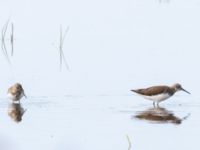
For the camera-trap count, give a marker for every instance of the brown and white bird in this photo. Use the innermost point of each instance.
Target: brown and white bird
(16, 92)
(159, 93)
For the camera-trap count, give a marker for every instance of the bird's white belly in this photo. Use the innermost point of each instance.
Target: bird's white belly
(14, 97)
(158, 98)
(10, 96)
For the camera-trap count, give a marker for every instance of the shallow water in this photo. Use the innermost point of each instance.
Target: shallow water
(111, 48)
(100, 122)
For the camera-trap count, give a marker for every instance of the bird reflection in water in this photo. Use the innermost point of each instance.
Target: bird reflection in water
(16, 111)
(159, 115)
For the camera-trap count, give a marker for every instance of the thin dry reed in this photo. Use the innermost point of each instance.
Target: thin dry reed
(61, 53)
(12, 39)
(129, 142)
(3, 40)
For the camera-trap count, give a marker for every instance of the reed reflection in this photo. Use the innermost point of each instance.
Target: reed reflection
(16, 111)
(159, 115)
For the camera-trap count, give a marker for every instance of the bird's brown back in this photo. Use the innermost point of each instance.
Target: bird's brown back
(15, 90)
(154, 90)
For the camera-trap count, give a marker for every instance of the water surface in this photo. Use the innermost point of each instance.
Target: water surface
(111, 48)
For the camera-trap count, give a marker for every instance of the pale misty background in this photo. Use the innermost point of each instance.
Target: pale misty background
(112, 46)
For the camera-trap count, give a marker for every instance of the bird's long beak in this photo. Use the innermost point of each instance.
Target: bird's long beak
(185, 90)
(24, 95)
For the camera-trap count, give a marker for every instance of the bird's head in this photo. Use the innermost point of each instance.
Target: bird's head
(178, 87)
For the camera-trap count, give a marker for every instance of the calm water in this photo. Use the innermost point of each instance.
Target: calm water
(99, 122)
(111, 47)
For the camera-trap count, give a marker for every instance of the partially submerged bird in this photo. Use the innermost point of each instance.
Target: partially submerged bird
(16, 92)
(159, 93)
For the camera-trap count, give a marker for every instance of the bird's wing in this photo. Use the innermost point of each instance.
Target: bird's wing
(152, 90)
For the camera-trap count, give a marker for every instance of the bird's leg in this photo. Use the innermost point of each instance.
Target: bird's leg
(157, 104)
(154, 104)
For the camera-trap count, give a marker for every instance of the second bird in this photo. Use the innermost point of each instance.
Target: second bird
(16, 92)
